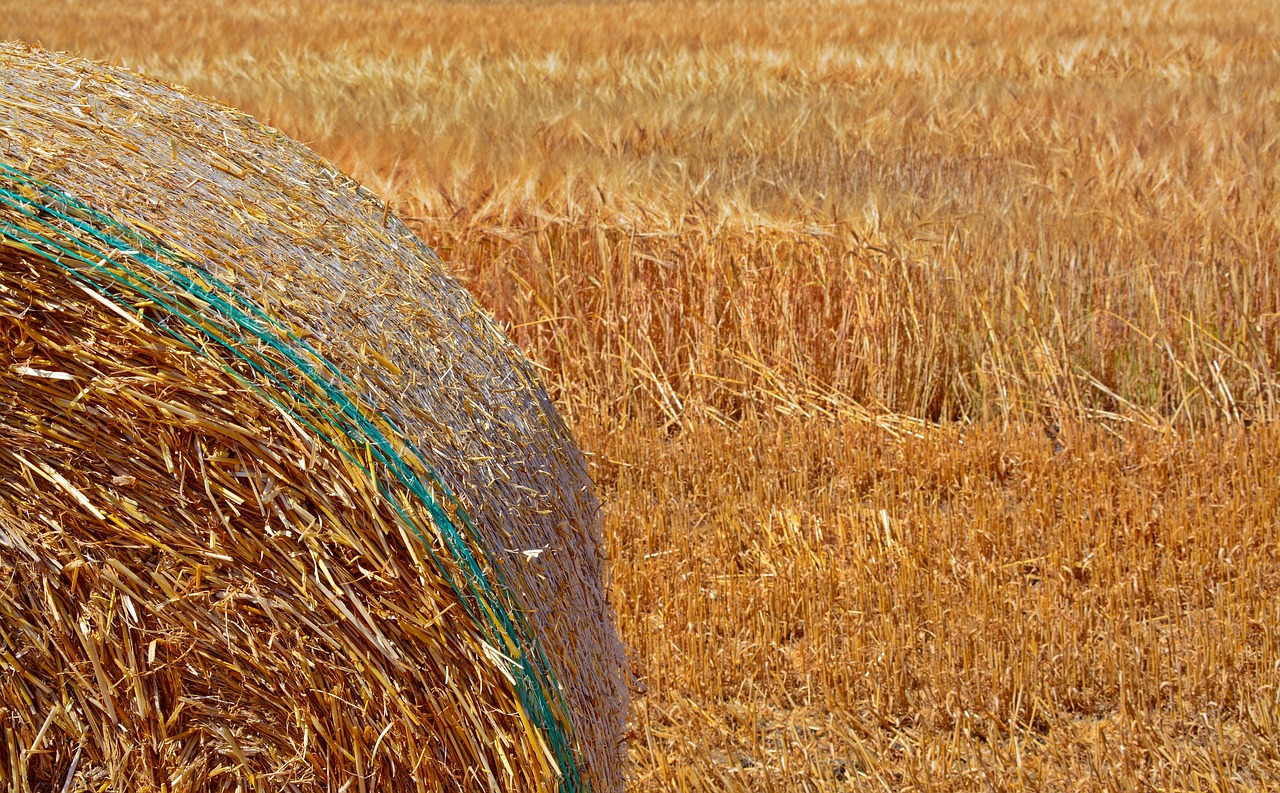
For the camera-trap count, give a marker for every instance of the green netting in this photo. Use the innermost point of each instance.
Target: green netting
(200, 310)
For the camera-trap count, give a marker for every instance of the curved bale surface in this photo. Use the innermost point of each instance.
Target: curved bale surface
(280, 508)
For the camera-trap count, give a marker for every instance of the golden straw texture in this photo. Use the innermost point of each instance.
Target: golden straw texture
(200, 588)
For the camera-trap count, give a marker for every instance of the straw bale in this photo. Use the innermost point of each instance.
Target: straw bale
(280, 507)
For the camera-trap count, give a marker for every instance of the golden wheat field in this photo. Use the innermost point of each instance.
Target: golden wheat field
(926, 353)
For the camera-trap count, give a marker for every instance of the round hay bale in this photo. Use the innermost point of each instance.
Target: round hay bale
(280, 507)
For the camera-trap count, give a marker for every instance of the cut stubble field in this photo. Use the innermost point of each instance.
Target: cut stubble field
(926, 353)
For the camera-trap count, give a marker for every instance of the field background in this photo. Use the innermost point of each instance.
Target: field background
(926, 352)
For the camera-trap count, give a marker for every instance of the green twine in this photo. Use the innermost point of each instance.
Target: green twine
(129, 262)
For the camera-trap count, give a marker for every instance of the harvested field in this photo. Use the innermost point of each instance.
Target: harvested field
(924, 356)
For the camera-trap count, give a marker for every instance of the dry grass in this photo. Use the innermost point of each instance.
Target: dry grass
(966, 610)
(754, 244)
